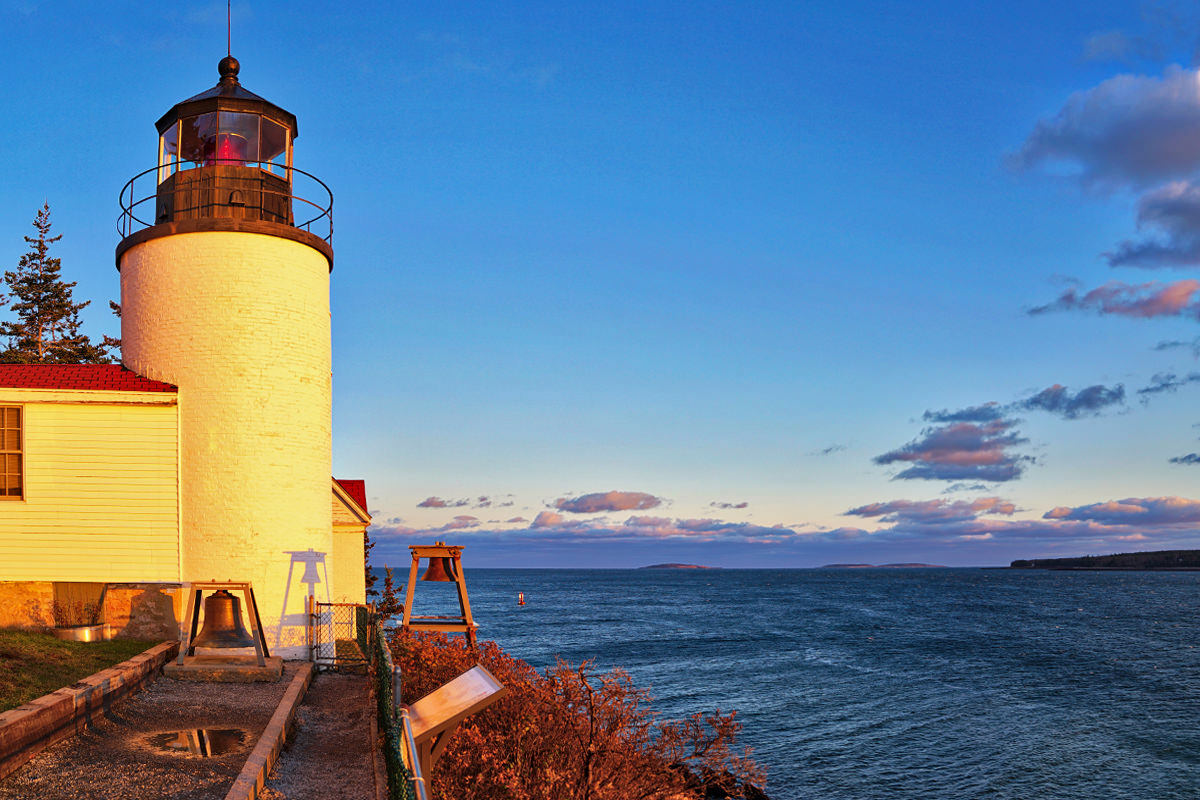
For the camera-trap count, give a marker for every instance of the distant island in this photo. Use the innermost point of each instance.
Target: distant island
(677, 566)
(913, 565)
(1154, 559)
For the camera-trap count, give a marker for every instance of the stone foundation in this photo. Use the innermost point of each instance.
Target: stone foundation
(147, 611)
(143, 610)
(27, 605)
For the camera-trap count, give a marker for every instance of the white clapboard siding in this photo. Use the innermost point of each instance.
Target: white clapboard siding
(101, 489)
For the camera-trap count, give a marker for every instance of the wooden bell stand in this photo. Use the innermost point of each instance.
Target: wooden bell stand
(447, 624)
(189, 666)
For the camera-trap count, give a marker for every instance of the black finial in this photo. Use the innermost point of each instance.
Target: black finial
(228, 68)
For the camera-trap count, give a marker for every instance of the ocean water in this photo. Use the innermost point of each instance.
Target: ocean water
(921, 684)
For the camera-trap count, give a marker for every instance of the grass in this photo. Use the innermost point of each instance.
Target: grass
(34, 664)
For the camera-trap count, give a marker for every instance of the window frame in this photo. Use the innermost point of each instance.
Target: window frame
(20, 452)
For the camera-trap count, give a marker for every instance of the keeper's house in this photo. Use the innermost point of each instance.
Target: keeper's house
(207, 454)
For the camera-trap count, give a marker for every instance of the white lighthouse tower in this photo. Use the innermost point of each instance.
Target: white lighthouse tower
(225, 294)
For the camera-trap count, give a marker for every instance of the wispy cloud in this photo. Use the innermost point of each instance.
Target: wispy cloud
(1168, 382)
(1117, 45)
(607, 501)
(828, 451)
(437, 502)
(482, 501)
(934, 512)
(1179, 344)
(1057, 399)
(1140, 300)
(1190, 458)
(988, 412)
(742, 504)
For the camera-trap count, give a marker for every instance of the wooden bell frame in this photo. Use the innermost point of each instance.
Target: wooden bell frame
(192, 615)
(447, 624)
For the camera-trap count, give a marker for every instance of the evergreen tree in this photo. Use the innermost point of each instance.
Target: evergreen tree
(368, 575)
(109, 341)
(390, 606)
(47, 327)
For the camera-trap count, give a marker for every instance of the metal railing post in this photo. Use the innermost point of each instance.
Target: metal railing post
(418, 780)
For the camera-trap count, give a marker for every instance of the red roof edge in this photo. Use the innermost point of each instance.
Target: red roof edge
(357, 489)
(88, 377)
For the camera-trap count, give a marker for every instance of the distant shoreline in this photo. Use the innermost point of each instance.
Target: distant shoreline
(677, 566)
(1149, 560)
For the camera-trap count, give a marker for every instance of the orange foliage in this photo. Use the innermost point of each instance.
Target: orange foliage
(570, 734)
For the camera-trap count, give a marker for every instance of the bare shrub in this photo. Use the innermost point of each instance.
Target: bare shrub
(571, 733)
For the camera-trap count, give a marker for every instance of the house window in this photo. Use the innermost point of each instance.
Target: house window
(11, 469)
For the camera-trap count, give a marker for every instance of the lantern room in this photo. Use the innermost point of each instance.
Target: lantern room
(225, 153)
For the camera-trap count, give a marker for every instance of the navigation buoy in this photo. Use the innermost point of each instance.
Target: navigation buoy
(520, 598)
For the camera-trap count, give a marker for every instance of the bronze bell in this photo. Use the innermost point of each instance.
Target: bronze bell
(440, 569)
(223, 623)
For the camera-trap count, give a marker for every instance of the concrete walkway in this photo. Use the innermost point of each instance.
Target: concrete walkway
(329, 755)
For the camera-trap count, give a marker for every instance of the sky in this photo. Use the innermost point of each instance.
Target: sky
(765, 284)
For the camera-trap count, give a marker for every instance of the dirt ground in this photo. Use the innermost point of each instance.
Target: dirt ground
(328, 755)
(114, 760)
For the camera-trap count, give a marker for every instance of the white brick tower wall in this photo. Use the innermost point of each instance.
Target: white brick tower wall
(240, 323)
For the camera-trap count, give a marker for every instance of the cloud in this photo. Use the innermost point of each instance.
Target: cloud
(1168, 382)
(482, 501)
(550, 526)
(1141, 300)
(934, 512)
(1173, 211)
(1190, 458)
(437, 502)
(961, 451)
(742, 504)
(1175, 344)
(607, 501)
(983, 413)
(1149, 511)
(828, 451)
(1168, 520)
(1117, 45)
(546, 519)
(986, 522)
(1128, 132)
(963, 486)
(1057, 399)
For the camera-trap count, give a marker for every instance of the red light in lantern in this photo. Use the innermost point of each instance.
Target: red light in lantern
(225, 148)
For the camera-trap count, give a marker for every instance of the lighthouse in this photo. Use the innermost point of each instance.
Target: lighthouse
(224, 267)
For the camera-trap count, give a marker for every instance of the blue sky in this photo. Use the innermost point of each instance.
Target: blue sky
(769, 284)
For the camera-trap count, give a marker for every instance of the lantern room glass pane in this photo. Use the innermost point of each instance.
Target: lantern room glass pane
(237, 138)
(197, 134)
(168, 152)
(273, 145)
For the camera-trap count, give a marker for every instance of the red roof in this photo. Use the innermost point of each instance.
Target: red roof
(357, 489)
(91, 377)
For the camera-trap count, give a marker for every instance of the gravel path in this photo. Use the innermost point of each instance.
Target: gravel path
(328, 756)
(115, 760)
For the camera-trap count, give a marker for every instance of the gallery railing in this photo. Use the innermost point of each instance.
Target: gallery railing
(248, 190)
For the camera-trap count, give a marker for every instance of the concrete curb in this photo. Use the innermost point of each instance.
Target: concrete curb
(376, 745)
(253, 776)
(28, 729)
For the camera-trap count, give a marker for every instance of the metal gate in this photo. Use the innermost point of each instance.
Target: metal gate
(340, 634)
